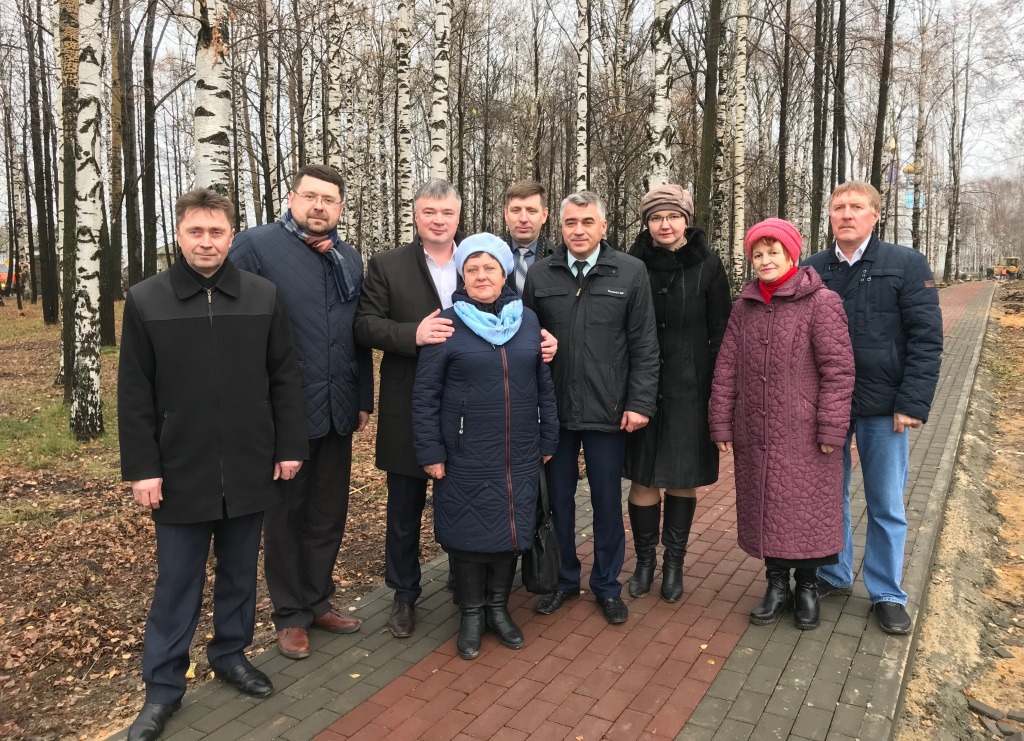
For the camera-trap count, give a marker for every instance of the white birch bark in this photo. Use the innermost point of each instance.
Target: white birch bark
(439, 95)
(582, 91)
(314, 95)
(660, 123)
(718, 232)
(59, 175)
(335, 81)
(273, 27)
(86, 409)
(404, 153)
(213, 97)
(739, 154)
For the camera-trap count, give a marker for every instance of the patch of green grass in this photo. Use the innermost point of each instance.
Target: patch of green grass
(37, 516)
(45, 436)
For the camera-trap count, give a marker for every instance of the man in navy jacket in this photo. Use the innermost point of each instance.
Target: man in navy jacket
(896, 328)
(320, 277)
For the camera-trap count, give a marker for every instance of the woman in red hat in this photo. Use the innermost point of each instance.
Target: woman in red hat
(780, 402)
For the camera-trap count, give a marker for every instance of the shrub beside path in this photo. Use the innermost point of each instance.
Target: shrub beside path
(693, 670)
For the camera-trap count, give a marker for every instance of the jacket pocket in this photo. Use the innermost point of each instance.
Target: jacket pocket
(554, 305)
(607, 305)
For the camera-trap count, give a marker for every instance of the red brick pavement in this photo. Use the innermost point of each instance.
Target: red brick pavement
(580, 677)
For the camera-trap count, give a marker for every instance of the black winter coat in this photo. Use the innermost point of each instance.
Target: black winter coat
(691, 307)
(208, 390)
(488, 413)
(397, 294)
(607, 359)
(895, 321)
(337, 374)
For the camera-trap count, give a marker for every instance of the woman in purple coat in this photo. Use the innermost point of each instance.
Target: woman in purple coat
(780, 402)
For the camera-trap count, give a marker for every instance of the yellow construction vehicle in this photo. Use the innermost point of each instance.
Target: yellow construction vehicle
(1008, 268)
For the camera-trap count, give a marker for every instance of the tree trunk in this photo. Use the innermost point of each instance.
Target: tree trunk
(129, 146)
(148, 144)
(818, 137)
(335, 79)
(86, 409)
(919, 139)
(299, 106)
(660, 121)
(840, 104)
(439, 91)
(582, 180)
(784, 112)
(712, 40)
(739, 155)
(718, 223)
(69, 134)
(213, 102)
(883, 96)
(266, 108)
(403, 125)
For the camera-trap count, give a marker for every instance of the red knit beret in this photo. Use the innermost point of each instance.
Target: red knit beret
(779, 229)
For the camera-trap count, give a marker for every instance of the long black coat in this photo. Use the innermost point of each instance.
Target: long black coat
(691, 306)
(398, 293)
(209, 394)
(488, 413)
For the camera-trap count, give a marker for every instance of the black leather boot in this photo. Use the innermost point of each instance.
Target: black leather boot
(805, 602)
(777, 598)
(470, 579)
(644, 522)
(674, 534)
(499, 586)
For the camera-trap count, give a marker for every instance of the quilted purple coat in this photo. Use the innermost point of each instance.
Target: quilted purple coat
(783, 385)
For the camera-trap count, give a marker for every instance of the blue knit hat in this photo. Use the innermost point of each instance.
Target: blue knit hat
(488, 243)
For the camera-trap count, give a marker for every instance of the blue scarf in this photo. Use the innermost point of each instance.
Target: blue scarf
(347, 275)
(495, 329)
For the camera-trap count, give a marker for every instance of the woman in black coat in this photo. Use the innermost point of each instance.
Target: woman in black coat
(484, 418)
(674, 451)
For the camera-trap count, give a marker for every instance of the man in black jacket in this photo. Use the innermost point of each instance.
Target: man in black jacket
(319, 277)
(597, 302)
(896, 328)
(210, 416)
(526, 212)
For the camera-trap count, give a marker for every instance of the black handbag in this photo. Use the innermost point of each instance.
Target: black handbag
(540, 563)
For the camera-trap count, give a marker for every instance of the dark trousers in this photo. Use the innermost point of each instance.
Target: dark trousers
(406, 497)
(604, 453)
(181, 554)
(304, 532)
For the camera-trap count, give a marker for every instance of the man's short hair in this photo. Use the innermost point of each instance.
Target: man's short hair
(527, 189)
(583, 199)
(203, 199)
(864, 189)
(436, 189)
(320, 172)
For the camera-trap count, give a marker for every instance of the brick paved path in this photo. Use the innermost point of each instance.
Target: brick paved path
(694, 670)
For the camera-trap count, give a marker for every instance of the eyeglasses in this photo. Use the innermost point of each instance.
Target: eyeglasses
(312, 198)
(673, 218)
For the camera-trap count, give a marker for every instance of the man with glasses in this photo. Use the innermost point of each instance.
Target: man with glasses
(320, 278)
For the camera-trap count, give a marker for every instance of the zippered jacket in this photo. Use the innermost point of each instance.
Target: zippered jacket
(607, 359)
(488, 413)
(208, 392)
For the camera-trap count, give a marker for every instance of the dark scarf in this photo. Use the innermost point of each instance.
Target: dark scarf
(206, 283)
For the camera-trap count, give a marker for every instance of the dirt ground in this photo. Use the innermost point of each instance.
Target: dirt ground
(976, 597)
(77, 555)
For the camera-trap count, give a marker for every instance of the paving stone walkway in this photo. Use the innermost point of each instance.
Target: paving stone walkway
(694, 670)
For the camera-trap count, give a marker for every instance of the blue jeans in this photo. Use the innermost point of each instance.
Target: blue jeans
(604, 453)
(884, 463)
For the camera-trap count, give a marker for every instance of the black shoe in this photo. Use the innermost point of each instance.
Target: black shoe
(553, 602)
(892, 617)
(247, 679)
(150, 723)
(645, 523)
(674, 533)
(777, 598)
(403, 619)
(496, 594)
(827, 589)
(614, 609)
(470, 579)
(805, 601)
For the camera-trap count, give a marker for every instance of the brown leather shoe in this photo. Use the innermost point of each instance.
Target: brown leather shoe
(403, 619)
(293, 643)
(335, 622)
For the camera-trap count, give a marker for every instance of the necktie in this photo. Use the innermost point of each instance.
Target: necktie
(580, 266)
(521, 269)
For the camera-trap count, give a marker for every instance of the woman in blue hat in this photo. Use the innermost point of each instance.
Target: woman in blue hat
(484, 418)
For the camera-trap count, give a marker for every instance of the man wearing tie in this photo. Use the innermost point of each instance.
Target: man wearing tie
(526, 212)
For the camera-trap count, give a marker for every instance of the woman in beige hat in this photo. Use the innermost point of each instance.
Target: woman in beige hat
(674, 451)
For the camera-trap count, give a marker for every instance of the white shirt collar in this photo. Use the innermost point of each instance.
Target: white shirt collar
(857, 255)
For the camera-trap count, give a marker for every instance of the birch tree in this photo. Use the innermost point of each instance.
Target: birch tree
(739, 154)
(213, 97)
(67, 41)
(86, 409)
(403, 125)
(660, 123)
(582, 94)
(439, 92)
(335, 75)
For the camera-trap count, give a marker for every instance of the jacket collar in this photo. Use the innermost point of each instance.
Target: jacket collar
(694, 252)
(605, 256)
(185, 285)
(869, 252)
(804, 282)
